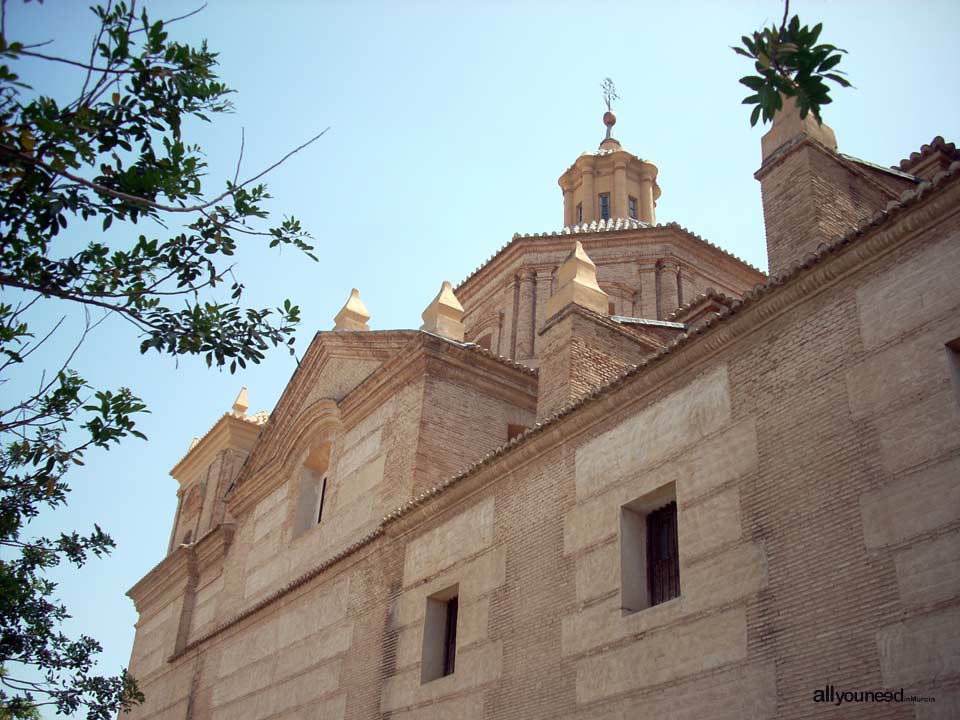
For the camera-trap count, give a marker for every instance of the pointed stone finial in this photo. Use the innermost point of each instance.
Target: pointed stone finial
(444, 316)
(194, 442)
(577, 283)
(787, 125)
(353, 315)
(242, 403)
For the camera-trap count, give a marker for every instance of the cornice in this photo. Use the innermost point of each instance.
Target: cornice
(211, 549)
(230, 431)
(167, 580)
(317, 570)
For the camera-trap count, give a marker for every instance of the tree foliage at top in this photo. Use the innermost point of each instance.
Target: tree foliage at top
(790, 63)
(114, 154)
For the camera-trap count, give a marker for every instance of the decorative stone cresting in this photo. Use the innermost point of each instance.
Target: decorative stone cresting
(577, 283)
(354, 315)
(444, 316)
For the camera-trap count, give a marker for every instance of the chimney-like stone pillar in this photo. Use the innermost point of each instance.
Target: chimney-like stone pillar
(579, 352)
(579, 348)
(811, 194)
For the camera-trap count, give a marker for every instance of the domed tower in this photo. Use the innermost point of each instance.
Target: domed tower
(611, 182)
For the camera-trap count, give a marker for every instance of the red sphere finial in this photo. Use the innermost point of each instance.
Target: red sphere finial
(609, 119)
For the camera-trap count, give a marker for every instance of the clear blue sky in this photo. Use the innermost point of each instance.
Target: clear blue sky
(450, 124)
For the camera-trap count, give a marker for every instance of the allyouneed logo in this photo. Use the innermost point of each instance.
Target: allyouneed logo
(832, 694)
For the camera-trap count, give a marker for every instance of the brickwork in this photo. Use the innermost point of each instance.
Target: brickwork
(582, 352)
(514, 284)
(810, 437)
(811, 195)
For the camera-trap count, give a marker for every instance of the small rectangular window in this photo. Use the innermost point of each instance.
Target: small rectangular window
(439, 656)
(649, 551)
(579, 212)
(450, 638)
(663, 560)
(632, 207)
(605, 206)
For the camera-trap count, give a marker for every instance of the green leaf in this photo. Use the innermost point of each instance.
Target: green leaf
(753, 82)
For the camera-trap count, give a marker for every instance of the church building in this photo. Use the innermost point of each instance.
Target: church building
(617, 473)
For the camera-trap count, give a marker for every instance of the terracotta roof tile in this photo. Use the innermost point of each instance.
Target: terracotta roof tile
(938, 144)
(706, 296)
(605, 226)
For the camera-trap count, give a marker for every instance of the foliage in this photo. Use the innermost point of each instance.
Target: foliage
(114, 155)
(790, 63)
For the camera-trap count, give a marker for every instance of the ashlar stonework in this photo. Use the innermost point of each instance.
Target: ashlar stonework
(618, 473)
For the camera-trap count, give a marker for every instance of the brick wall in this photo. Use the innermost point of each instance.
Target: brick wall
(813, 441)
(580, 352)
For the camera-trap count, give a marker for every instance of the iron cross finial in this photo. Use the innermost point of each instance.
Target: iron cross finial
(609, 93)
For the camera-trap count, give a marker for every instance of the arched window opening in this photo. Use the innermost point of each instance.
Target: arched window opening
(313, 489)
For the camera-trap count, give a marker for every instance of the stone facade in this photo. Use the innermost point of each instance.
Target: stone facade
(807, 427)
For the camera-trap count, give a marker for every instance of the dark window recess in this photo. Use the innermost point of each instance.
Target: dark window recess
(450, 638)
(663, 560)
(579, 212)
(605, 207)
(632, 210)
(323, 493)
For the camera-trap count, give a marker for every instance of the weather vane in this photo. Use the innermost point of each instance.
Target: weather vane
(609, 95)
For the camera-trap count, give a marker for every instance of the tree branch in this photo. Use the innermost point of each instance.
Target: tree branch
(136, 200)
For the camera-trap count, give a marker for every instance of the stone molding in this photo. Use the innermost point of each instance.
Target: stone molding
(168, 580)
(372, 345)
(274, 471)
(230, 431)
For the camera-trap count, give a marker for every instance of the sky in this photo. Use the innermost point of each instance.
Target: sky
(449, 126)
